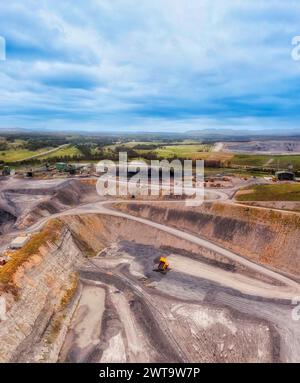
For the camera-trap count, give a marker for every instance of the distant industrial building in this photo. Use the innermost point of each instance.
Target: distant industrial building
(285, 176)
(64, 167)
(61, 166)
(19, 242)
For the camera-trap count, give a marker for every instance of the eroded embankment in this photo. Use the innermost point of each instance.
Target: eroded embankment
(37, 284)
(28, 201)
(265, 236)
(94, 232)
(7, 221)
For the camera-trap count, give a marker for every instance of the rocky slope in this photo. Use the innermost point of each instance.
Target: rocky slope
(7, 221)
(34, 283)
(26, 201)
(268, 237)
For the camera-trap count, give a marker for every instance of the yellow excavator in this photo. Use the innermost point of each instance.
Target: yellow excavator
(163, 265)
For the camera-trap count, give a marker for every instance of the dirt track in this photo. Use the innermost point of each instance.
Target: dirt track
(150, 316)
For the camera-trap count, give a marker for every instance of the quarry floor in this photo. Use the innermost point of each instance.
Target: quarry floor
(130, 313)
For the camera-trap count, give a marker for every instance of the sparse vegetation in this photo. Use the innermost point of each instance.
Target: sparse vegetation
(277, 192)
(70, 291)
(55, 328)
(69, 151)
(268, 161)
(50, 233)
(191, 151)
(13, 155)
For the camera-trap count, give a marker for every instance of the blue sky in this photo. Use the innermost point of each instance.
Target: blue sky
(150, 65)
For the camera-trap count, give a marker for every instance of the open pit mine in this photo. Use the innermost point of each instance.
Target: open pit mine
(78, 279)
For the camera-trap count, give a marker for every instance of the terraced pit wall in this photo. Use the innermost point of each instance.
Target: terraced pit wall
(34, 283)
(38, 282)
(265, 236)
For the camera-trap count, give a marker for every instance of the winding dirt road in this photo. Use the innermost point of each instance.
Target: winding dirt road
(288, 291)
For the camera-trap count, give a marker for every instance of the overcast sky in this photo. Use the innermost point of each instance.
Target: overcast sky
(156, 65)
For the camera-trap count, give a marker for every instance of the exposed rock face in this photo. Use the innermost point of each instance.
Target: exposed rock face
(41, 283)
(92, 233)
(6, 221)
(28, 204)
(267, 237)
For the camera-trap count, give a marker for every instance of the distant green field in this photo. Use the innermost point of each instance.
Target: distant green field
(194, 152)
(277, 192)
(250, 159)
(284, 161)
(69, 151)
(16, 152)
(188, 149)
(13, 155)
(281, 162)
(234, 171)
(131, 144)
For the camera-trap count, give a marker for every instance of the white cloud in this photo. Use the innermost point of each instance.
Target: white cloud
(194, 62)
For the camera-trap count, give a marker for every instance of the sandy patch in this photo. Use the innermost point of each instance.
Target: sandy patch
(85, 329)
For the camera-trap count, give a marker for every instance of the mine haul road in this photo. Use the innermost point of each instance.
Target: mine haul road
(287, 290)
